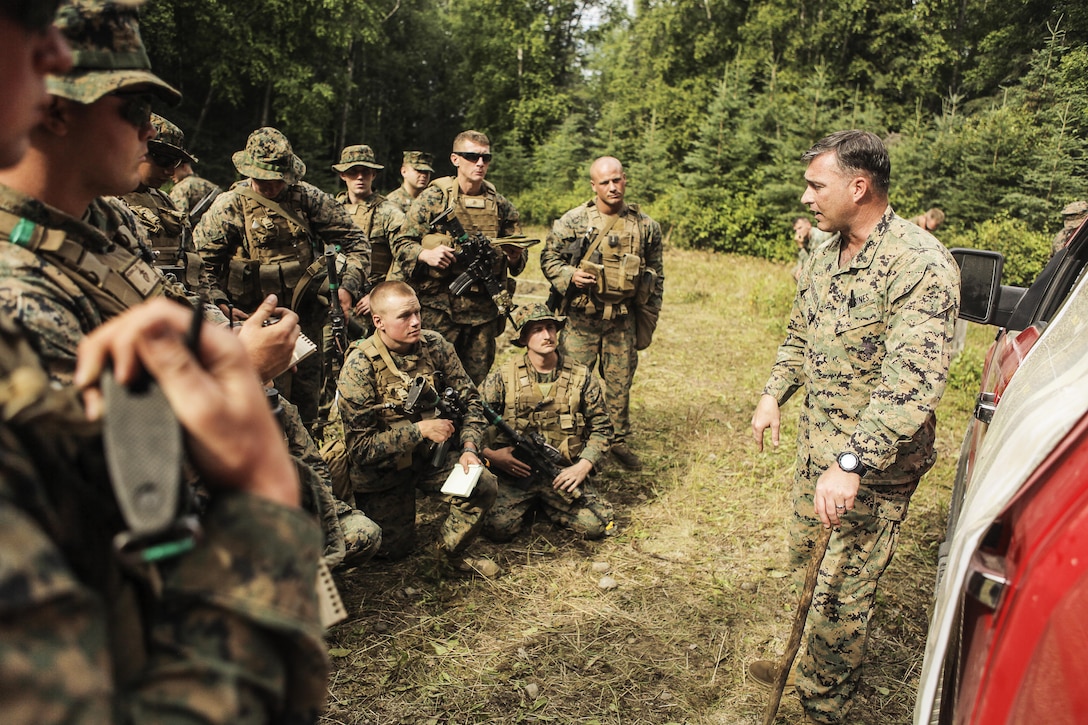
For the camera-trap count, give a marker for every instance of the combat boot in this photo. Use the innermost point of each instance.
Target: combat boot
(626, 457)
(764, 672)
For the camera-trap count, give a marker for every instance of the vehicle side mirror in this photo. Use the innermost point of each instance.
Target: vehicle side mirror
(980, 284)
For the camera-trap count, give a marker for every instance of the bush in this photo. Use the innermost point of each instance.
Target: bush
(1026, 252)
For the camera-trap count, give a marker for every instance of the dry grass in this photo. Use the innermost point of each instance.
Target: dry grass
(699, 556)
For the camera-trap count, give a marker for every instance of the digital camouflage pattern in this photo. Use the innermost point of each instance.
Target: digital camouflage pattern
(252, 251)
(592, 338)
(401, 199)
(268, 156)
(590, 425)
(54, 311)
(1072, 215)
(357, 155)
(472, 321)
(190, 191)
(231, 633)
(383, 225)
(350, 537)
(871, 345)
(418, 160)
(169, 139)
(375, 438)
(170, 239)
(107, 51)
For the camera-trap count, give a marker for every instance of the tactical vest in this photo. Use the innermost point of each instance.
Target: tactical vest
(622, 264)
(115, 279)
(166, 227)
(392, 385)
(558, 417)
(275, 256)
(476, 214)
(381, 256)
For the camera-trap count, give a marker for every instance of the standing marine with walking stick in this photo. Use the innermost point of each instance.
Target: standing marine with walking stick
(869, 340)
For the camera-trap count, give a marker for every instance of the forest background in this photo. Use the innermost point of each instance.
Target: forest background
(709, 103)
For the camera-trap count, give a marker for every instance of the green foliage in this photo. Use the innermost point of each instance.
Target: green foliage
(1026, 252)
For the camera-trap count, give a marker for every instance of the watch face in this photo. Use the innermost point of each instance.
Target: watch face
(848, 462)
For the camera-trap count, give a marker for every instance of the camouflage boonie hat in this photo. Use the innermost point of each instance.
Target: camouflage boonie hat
(360, 155)
(169, 139)
(268, 156)
(1076, 208)
(534, 313)
(419, 160)
(107, 52)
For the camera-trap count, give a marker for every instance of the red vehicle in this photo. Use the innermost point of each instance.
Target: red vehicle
(1010, 626)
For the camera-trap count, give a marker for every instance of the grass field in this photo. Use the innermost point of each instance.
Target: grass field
(699, 556)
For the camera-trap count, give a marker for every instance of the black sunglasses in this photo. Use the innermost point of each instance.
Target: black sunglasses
(473, 157)
(166, 161)
(135, 107)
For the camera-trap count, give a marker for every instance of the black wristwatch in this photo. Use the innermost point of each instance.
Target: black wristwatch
(850, 463)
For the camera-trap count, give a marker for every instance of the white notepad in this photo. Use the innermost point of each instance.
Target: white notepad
(459, 483)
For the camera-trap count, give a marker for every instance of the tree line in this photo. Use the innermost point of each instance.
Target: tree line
(709, 103)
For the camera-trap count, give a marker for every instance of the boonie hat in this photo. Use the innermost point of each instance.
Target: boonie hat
(534, 313)
(268, 156)
(108, 53)
(1076, 208)
(419, 160)
(360, 155)
(169, 139)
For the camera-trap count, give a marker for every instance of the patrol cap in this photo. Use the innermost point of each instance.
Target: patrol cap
(360, 155)
(419, 160)
(108, 53)
(534, 313)
(268, 156)
(1076, 208)
(169, 139)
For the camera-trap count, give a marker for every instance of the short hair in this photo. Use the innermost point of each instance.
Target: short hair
(387, 290)
(801, 218)
(936, 214)
(472, 137)
(857, 151)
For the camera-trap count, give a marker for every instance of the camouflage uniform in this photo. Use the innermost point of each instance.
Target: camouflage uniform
(253, 250)
(383, 224)
(227, 632)
(168, 230)
(420, 161)
(871, 346)
(390, 459)
(189, 192)
(472, 321)
(50, 266)
(602, 329)
(1072, 215)
(567, 408)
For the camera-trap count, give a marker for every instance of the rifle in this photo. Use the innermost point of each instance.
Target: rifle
(202, 206)
(478, 255)
(545, 460)
(336, 313)
(572, 254)
(449, 403)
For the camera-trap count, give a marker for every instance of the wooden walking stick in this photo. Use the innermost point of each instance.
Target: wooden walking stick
(794, 642)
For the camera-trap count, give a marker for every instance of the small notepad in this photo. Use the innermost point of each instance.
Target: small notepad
(459, 483)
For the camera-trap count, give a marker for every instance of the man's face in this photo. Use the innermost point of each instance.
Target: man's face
(158, 167)
(609, 184)
(360, 182)
(474, 168)
(26, 56)
(269, 188)
(415, 179)
(113, 133)
(828, 193)
(542, 336)
(397, 319)
(801, 228)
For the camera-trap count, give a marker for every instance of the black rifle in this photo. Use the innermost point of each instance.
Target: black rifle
(336, 313)
(202, 206)
(546, 460)
(449, 403)
(478, 255)
(571, 255)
